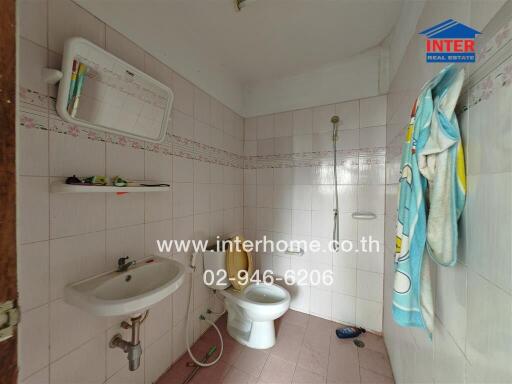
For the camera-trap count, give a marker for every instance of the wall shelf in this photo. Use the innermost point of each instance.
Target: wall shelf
(62, 187)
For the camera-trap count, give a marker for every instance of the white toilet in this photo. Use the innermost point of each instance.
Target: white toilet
(251, 309)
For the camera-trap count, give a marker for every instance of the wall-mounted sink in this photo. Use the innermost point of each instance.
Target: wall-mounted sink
(129, 292)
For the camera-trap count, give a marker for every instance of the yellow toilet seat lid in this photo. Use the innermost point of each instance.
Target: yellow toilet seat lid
(239, 264)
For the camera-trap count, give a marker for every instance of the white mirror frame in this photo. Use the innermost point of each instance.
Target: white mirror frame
(72, 49)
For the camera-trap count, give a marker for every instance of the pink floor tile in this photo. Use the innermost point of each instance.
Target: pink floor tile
(303, 376)
(307, 351)
(277, 371)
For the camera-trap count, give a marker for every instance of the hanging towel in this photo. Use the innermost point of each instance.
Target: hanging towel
(412, 295)
(441, 162)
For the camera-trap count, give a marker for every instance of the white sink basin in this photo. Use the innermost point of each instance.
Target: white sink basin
(123, 293)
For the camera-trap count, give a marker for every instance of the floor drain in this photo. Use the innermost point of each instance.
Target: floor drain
(359, 343)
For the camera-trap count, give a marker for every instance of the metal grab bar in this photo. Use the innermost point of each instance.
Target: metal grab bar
(364, 216)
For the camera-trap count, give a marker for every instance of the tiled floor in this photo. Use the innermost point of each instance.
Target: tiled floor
(307, 352)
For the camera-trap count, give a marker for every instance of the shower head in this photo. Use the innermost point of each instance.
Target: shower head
(335, 119)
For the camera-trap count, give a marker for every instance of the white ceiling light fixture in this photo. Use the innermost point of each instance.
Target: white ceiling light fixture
(239, 4)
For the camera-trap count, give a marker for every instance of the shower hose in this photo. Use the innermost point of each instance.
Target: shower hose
(187, 331)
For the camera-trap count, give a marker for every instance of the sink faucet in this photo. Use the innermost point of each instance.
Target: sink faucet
(122, 265)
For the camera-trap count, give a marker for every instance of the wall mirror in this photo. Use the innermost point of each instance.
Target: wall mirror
(101, 91)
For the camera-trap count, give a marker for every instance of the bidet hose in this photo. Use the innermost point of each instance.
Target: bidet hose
(187, 327)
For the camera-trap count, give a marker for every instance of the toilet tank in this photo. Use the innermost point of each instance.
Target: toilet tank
(215, 272)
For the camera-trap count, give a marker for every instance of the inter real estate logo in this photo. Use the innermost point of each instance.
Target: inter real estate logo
(450, 42)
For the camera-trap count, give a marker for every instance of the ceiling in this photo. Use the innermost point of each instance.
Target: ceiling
(268, 39)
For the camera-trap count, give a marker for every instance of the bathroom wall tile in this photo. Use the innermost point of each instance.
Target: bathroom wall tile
(33, 152)
(115, 358)
(183, 199)
(251, 128)
(348, 198)
(75, 258)
(301, 197)
(158, 206)
(33, 58)
(302, 143)
(71, 327)
(84, 365)
(265, 218)
(265, 147)
(67, 154)
(348, 139)
(159, 321)
(301, 298)
(370, 198)
(321, 224)
(487, 192)
(373, 111)
(449, 360)
(322, 118)
(264, 196)
(344, 281)
(369, 286)
(33, 275)
(158, 358)
(160, 230)
(34, 341)
(201, 106)
(216, 113)
(301, 222)
(349, 114)
(34, 208)
(322, 198)
(251, 148)
(183, 125)
(489, 305)
(31, 25)
(303, 121)
(183, 94)
(40, 377)
(283, 145)
(265, 176)
(157, 167)
(322, 142)
(369, 314)
(123, 210)
(348, 227)
(265, 127)
(372, 137)
(343, 308)
(201, 132)
(66, 19)
(216, 138)
(201, 198)
(321, 303)
(125, 49)
(182, 169)
(283, 124)
(125, 162)
(125, 241)
(371, 261)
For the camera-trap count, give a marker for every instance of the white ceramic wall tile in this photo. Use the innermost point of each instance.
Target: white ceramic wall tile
(345, 281)
(158, 206)
(321, 303)
(157, 231)
(216, 113)
(158, 358)
(183, 94)
(123, 210)
(449, 360)
(301, 222)
(201, 106)
(34, 341)
(125, 162)
(283, 124)
(84, 365)
(303, 122)
(343, 308)
(41, 377)
(370, 198)
(34, 209)
(183, 199)
(369, 286)
(265, 127)
(125, 49)
(183, 170)
(71, 327)
(75, 258)
(369, 314)
(157, 167)
(183, 125)
(348, 113)
(31, 25)
(67, 154)
(33, 156)
(322, 118)
(372, 111)
(372, 137)
(66, 19)
(125, 241)
(33, 58)
(33, 275)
